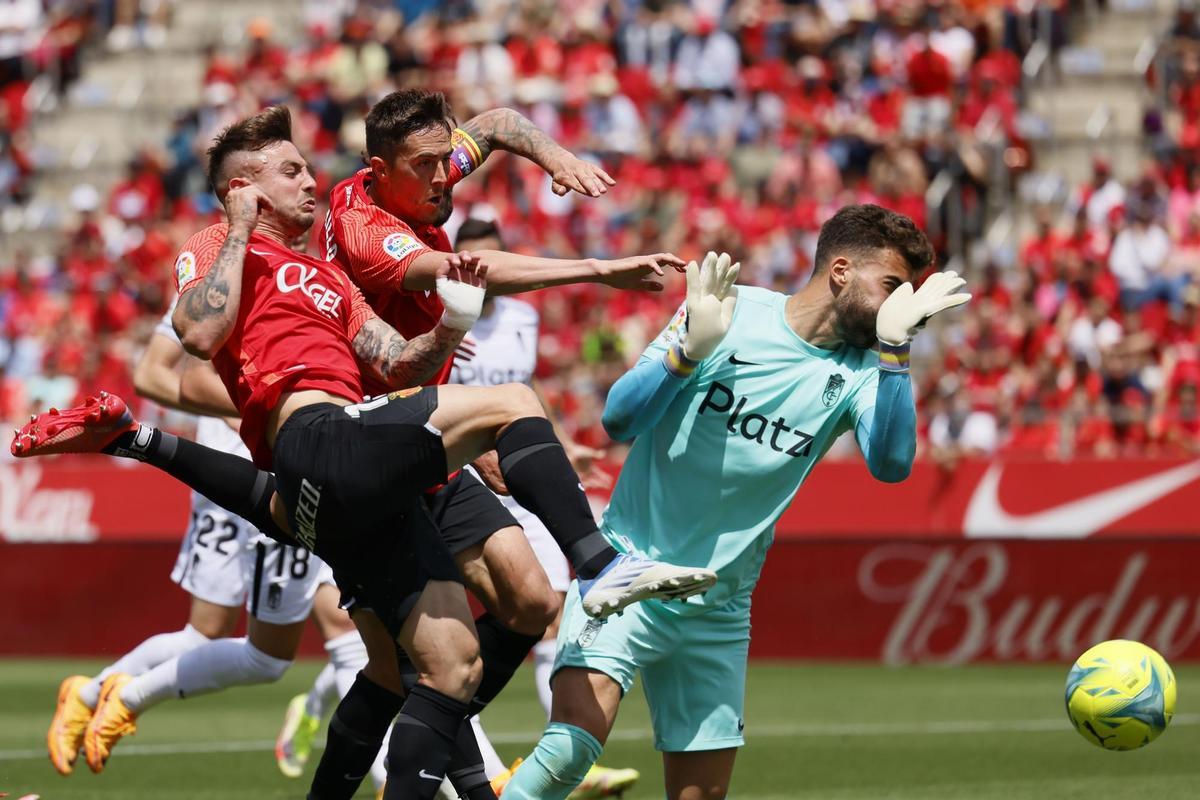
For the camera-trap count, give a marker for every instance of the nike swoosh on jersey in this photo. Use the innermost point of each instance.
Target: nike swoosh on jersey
(1074, 520)
(427, 776)
(350, 777)
(733, 359)
(259, 252)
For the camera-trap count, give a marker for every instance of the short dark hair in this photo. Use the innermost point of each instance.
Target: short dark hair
(267, 127)
(401, 114)
(859, 228)
(474, 228)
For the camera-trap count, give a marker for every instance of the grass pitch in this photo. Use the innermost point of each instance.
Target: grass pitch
(814, 731)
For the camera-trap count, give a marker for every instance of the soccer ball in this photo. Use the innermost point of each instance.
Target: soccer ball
(1120, 695)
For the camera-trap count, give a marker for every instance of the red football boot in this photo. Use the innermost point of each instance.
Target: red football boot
(87, 428)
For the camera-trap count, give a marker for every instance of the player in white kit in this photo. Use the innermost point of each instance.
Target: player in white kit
(223, 563)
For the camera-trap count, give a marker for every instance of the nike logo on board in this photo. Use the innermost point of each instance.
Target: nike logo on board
(1073, 520)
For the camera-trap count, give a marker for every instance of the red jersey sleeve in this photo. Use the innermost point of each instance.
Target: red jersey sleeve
(360, 311)
(198, 255)
(378, 254)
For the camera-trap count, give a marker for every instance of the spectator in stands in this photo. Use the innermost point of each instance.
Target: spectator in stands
(1139, 255)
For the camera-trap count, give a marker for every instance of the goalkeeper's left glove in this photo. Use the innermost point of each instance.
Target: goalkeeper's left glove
(906, 311)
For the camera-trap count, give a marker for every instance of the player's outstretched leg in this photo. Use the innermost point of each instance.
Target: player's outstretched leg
(510, 419)
(103, 424)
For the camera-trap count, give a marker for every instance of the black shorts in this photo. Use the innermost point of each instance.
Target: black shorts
(467, 513)
(352, 479)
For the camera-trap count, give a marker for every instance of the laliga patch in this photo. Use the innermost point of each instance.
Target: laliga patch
(833, 390)
(590, 631)
(401, 394)
(398, 245)
(185, 268)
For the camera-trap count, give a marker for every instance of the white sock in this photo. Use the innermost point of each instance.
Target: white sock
(217, 665)
(347, 655)
(146, 656)
(324, 686)
(543, 668)
(492, 765)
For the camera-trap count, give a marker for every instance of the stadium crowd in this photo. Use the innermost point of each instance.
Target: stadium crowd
(737, 126)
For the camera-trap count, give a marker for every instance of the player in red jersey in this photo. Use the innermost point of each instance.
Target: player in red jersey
(287, 334)
(383, 228)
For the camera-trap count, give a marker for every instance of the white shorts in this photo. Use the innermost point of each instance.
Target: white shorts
(211, 564)
(544, 547)
(225, 560)
(283, 581)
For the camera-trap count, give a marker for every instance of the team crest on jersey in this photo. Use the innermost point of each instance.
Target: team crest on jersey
(833, 390)
(398, 245)
(185, 268)
(590, 631)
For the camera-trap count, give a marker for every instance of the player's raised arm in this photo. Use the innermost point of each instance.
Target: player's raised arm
(404, 363)
(208, 308)
(637, 401)
(510, 273)
(505, 129)
(887, 432)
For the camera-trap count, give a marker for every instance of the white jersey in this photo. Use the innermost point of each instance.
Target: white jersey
(225, 560)
(505, 343)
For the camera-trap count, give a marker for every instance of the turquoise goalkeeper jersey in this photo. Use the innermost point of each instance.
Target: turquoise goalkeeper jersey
(706, 484)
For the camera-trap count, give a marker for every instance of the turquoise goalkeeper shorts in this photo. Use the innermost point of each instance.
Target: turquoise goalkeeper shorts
(693, 665)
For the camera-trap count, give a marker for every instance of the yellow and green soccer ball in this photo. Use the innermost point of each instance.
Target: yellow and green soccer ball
(1120, 695)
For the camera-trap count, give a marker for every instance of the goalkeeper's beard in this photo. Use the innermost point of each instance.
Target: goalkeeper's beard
(854, 319)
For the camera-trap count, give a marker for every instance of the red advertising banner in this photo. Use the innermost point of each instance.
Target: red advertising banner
(952, 602)
(86, 499)
(934, 601)
(987, 499)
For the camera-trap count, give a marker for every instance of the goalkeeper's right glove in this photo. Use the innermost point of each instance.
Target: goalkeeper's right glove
(711, 296)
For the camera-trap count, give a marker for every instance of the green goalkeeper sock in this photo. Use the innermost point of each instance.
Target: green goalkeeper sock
(560, 761)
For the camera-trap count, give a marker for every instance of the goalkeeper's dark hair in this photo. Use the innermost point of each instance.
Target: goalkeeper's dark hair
(474, 229)
(401, 114)
(859, 229)
(267, 127)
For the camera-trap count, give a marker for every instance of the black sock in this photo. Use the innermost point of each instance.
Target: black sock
(502, 651)
(541, 478)
(356, 733)
(423, 740)
(465, 770)
(230, 481)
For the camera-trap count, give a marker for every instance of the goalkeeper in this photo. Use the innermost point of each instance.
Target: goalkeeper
(730, 408)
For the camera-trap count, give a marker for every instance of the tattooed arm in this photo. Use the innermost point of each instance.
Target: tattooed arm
(404, 363)
(505, 129)
(206, 313)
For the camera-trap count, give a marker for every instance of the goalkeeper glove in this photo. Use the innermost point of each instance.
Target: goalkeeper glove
(906, 311)
(711, 296)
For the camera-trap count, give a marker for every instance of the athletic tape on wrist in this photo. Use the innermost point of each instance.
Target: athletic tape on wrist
(893, 357)
(677, 362)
